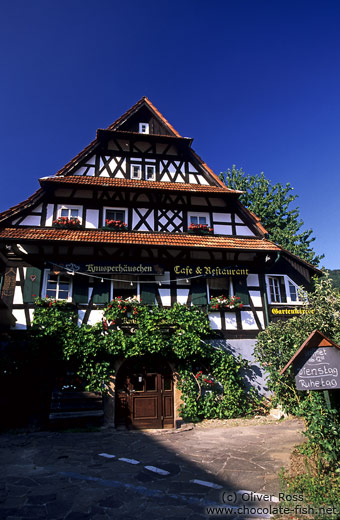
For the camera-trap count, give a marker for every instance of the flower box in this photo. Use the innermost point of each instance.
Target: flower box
(66, 223)
(115, 225)
(225, 303)
(200, 229)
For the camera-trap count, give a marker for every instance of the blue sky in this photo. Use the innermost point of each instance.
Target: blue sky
(256, 83)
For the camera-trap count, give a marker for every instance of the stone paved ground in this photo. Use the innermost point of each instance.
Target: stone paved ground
(59, 475)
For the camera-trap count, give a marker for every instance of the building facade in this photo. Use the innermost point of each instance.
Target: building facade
(139, 213)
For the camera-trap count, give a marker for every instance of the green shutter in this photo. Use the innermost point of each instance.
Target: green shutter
(80, 289)
(199, 292)
(241, 290)
(148, 293)
(101, 292)
(32, 284)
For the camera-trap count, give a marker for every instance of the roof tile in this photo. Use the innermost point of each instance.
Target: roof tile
(132, 183)
(142, 238)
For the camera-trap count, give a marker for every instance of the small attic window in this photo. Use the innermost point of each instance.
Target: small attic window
(144, 128)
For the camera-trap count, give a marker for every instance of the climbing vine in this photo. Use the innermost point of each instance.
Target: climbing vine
(128, 328)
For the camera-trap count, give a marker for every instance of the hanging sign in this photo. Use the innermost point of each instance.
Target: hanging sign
(208, 270)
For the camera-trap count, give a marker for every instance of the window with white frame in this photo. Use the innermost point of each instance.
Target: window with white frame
(57, 286)
(150, 172)
(144, 128)
(219, 287)
(198, 218)
(136, 171)
(114, 214)
(68, 211)
(281, 289)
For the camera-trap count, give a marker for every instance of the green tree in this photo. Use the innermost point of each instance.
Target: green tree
(277, 344)
(272, 204)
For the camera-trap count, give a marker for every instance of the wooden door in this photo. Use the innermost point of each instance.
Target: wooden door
(144, 394)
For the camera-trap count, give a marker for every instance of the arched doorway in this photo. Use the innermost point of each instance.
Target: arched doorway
(144, 394)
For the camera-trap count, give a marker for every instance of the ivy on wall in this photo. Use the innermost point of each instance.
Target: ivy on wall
(129, 329)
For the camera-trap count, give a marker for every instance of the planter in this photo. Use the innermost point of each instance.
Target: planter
(114, 225)
(225, 304)
(66, 223)
(200, 229)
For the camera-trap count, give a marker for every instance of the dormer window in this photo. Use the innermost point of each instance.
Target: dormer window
(144, 128)
(136, 171)
(150, 173)
(70, 211)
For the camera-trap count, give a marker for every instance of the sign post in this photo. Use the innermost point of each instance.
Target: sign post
(316, 365)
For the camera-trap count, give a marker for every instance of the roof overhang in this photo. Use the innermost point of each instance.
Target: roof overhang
(83, 181)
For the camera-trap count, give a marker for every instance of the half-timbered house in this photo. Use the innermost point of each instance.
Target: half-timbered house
(153, 221)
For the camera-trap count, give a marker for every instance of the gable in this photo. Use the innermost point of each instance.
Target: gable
(145, 115)
(144, 112)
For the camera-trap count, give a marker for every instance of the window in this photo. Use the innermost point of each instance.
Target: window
(281, 289)
(124, 288)
(276, 290)
(150, 172)
(57, 286)
(114, 214)
(219, 287)
(198, 218)
(136, 171)
(144, 128)
(293, 292)
(70, 211)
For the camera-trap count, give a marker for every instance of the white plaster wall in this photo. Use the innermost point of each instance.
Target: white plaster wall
(19, 315)
(248, 321)
(80, 171)
(81, 314)
(253, 280)
(182, 296)
(37, 209)
(92, 219)
(255, 375)
(95, 317)
(91, 160)
(256, 298)
(238, 220)
(165, 296)
(230, 321)
(215, 320)
(244, 230)
(222, 217)
(192, 179)
(18, 296)
(221, 229)
(49, 214)
(192, 168)
(202, 180)
(261, 318)
(165, 178)
(31, 220)
(150, 220)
